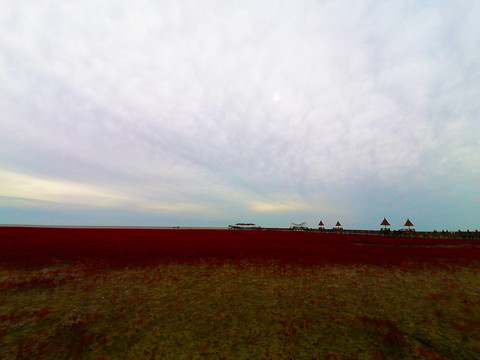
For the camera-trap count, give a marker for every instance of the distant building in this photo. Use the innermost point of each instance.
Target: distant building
(250, 226)
(409, 224)
(301, 226)
(385, 223)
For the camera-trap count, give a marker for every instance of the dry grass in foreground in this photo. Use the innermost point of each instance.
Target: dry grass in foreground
(239, 310)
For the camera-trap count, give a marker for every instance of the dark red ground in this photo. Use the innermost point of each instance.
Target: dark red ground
(32, 246)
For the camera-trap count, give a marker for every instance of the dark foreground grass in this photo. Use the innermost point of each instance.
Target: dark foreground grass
(240, 310)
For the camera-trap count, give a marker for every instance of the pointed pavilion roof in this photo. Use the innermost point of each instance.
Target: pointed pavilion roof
(338, 223)
(408, 223)
(320, 223)
(385, 222)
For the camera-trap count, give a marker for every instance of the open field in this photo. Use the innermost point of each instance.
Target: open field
(227, 294)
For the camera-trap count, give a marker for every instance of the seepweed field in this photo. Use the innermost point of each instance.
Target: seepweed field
(77, 293)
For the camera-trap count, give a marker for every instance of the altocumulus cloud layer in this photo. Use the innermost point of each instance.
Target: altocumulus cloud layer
(212, 112)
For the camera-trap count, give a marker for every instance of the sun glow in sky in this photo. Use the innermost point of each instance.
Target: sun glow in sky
(214, 112)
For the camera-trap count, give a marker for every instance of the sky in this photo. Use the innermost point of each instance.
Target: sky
(209, 113)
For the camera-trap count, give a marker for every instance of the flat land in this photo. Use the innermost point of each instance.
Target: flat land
(235, 294)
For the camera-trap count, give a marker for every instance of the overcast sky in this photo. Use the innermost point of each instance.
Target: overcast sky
(208, 113)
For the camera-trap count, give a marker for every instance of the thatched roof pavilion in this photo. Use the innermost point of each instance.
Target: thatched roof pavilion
(408, 223)
(385, 223)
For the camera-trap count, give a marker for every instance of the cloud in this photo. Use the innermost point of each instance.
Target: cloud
(240, 106)
(20, 190)
(278, 207)
(32, 187)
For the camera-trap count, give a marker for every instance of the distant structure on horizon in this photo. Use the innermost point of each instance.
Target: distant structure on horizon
(251, 226)
(409, 224)
(300, 226)
(406, 231)
(385, 223)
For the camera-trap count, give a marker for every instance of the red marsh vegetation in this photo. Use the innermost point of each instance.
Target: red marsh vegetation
(31, 246)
